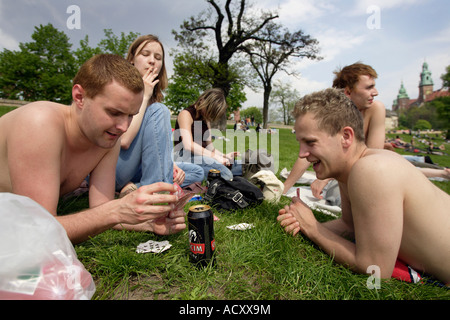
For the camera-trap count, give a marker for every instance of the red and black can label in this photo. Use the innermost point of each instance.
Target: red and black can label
(201, 234)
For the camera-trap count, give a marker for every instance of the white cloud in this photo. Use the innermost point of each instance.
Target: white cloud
(295, 12)
(360, 6)
(8, 42)
(442, 36)
(305, 86)
(334, 42)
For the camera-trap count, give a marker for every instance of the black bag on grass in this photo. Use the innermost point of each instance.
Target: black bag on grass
(238, 193)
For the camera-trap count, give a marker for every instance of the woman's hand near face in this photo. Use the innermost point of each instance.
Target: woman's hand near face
(150, 79)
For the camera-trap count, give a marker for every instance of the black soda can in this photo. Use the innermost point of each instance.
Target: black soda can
(201, 234)
(213, 174)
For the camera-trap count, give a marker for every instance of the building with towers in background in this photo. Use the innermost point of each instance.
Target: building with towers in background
(426, 93)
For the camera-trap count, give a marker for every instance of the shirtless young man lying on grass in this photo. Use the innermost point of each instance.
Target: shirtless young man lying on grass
(48, 149)
(358, 83)
(390, 209)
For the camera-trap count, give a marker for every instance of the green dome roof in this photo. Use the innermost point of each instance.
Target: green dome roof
(425, 76)
(402, 93)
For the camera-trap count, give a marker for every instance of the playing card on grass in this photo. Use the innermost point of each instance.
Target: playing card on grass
(241, 226)
(153, 246)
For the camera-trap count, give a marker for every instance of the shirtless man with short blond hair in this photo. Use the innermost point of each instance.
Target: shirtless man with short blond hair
(390, 208)
(358, 82)
(48, 149)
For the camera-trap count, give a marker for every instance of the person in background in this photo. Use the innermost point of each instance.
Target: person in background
(146, 154)
(193, 142)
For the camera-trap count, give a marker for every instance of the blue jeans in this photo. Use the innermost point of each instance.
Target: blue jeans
(208, 163)
(149, 157)
(193, 173)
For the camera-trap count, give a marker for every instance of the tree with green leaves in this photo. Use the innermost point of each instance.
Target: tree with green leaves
(85, 52)
(117, 45)
(273, 55)
(442, 107)
(422, 124)
(442, 104)
(227, 28)
(252, 111)
(446, 78)
(41, 70)
(112, 44)
(287, 97)
(192, 76)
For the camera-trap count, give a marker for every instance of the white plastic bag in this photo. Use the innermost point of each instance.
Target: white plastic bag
(37, 259)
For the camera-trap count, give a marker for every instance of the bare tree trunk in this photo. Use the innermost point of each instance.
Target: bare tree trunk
(267, 91)
(223, 82)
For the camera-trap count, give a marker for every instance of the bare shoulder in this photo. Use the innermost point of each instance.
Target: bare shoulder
(184, 113)
(37, 119)
(378, 104)
(38, 112)
(379, 159)
(378, 109)
(185, 118)
(378, 169)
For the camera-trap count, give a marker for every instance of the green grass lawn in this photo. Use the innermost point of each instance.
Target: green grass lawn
(263, 263)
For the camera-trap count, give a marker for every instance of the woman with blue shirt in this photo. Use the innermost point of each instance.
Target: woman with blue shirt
(147, 146)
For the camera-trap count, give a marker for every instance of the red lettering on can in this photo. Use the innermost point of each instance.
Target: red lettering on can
(197, 248)
(213, 245)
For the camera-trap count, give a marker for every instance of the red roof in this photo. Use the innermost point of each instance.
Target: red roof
(437, 94)
(432, 96)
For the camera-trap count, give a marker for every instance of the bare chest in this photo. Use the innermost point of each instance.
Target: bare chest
(76, 167)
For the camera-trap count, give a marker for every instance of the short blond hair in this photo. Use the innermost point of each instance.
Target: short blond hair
(102, 69)
(333, 110)
(212, 104)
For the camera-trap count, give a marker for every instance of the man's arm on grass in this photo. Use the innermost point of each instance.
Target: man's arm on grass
(298, 217)
(136, 208)
(377, 216)
(344, 225)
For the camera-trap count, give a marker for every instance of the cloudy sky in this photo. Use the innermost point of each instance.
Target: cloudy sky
(394, 36)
